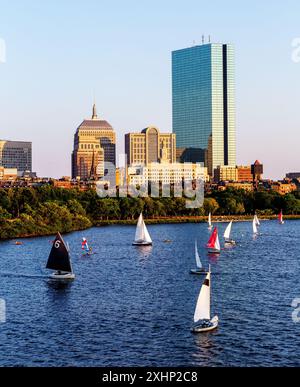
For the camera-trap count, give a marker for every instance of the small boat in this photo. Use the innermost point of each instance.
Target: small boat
(142, 236)
(214, 243)
(19, 243)
(280, 218)
(60, 261)
(210, 226)
(200, 270)
(167, 241)
(254, 226)
(202, 319)
(86, 250)
(257, 220)
(228, 240)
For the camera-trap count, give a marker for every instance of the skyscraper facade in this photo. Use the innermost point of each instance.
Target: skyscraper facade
(16, 154)
(204, 103)
(94, 145)
(150, 146)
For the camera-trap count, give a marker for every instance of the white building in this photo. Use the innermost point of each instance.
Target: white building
(166, 173)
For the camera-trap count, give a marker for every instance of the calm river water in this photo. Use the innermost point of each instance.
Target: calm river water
(134, 306)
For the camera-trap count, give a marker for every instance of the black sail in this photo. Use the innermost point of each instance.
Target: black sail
(59, 258)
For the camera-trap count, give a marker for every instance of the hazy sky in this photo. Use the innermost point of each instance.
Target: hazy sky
(60, 52)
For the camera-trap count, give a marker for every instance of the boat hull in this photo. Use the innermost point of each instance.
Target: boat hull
(62, 277)
(142, 244)
(214, 251)
(202, 329)
(198, 272)
(230, 243)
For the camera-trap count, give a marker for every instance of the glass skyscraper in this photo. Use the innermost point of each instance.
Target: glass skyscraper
(204, 103)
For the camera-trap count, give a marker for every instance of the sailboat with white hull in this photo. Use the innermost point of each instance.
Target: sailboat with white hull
(257, 220)
(142, 236)
(200, 270)
(202, 319)
(60, 261)
(210, 226)
(280, 217)
(254, 227)
(214, 243)
(227, 234)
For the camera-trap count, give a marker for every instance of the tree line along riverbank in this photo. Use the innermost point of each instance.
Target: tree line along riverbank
(28, 212)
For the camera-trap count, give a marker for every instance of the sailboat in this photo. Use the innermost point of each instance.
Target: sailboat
(86, 250)
(280, 217)
(210, 226)
(142, 236)
(257, 220)
(228, 240)
(254, 226)
(214, 243)
(200, 270)
(59, 260)
(202, 319)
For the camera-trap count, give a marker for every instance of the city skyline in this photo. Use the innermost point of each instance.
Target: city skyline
(50, 76)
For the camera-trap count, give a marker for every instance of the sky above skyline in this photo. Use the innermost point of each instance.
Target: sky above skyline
(60, 53)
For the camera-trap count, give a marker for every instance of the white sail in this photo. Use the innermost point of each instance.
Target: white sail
(217, 244)
(202, 311)
(228, 232)
(147, 237)
(255, 230)
(257, 220)
(209, 220)
(198, 261)
(142, 234)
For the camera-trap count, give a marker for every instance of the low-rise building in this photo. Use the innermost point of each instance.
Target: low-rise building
(284, 188)
(166, 173)
(8, 174)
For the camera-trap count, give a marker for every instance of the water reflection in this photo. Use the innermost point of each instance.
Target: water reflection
(144, 252)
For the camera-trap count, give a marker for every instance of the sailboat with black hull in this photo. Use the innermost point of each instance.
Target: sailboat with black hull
(60, 261)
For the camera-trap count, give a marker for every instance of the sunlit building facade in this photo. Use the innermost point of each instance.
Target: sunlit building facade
(204, 103)
(16, 155)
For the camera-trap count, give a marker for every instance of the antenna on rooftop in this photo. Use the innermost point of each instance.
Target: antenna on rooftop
(203, 39)
(209, 39)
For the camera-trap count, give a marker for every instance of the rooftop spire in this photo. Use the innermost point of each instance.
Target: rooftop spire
(95, 116)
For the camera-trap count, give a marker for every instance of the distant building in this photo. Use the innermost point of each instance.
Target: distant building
(293, 175)
(166, 174)
(204, 103)
(244, 174)
(94, 145)
(150, 146)
(241, 186)
(257, 170)
(225, 173)
(16, 155)
(284, 188)
(8, 174)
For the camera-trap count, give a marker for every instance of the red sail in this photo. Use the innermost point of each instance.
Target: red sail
(280, 217)
(212, 240)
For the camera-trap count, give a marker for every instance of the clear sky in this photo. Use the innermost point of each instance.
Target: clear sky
(61, 52)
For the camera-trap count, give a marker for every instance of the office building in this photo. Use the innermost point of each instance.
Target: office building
(204, 103)
(94, 146)
(16, 155)
(150, 146)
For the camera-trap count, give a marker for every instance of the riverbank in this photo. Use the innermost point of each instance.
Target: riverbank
(193, 219)
(152, 221)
